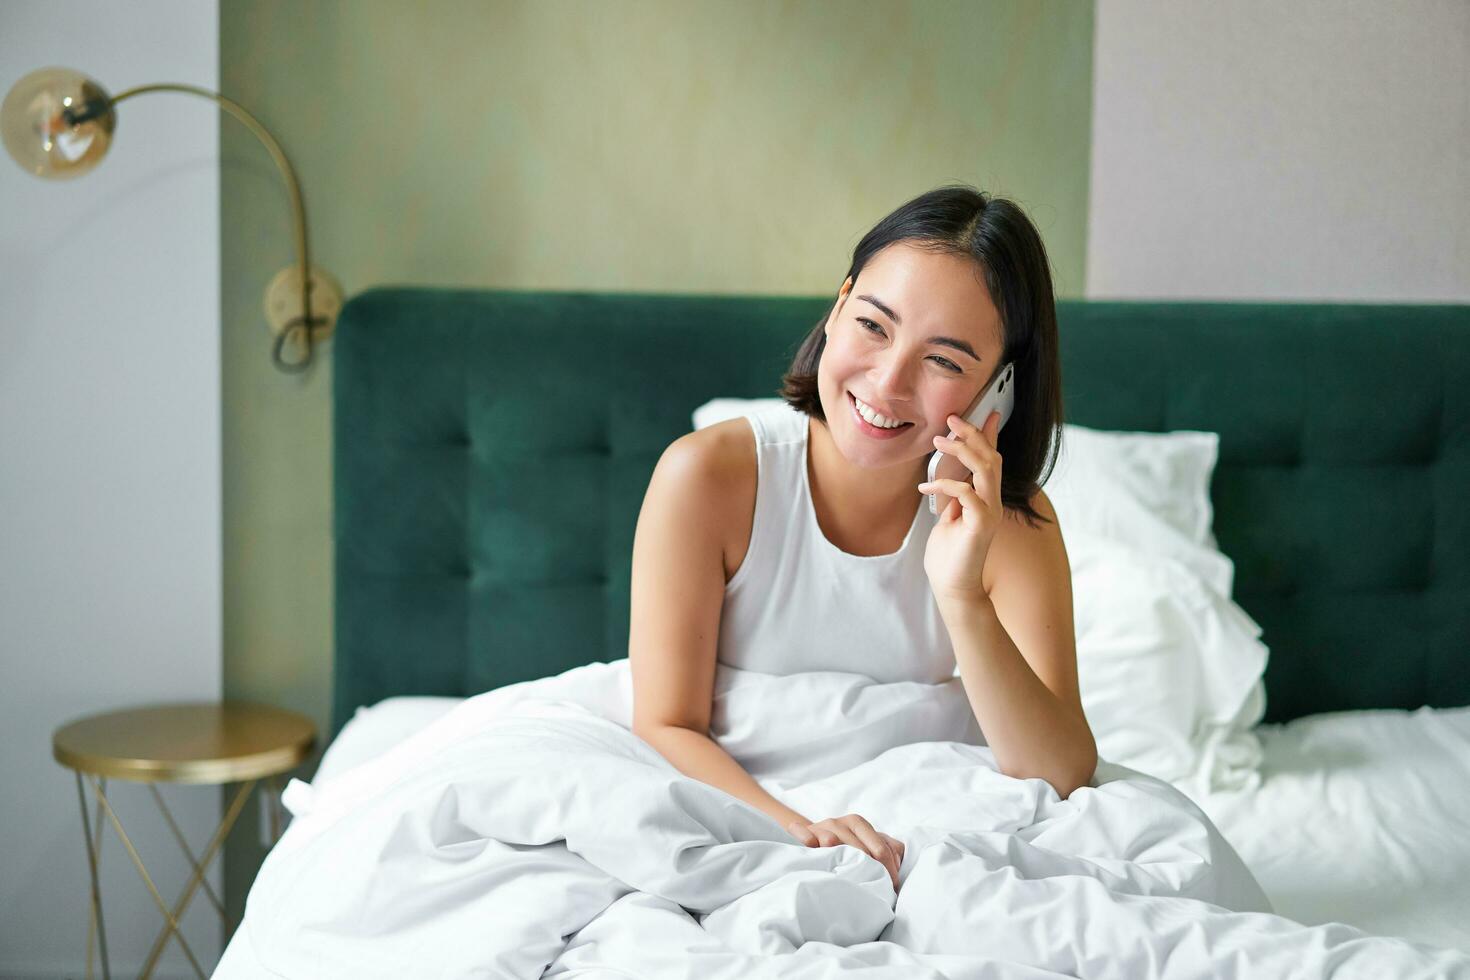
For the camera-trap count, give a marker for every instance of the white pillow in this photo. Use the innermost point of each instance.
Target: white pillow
(1166, 472)
(1147, 489)
(374, 729)
(720, 409)
(1169, 669)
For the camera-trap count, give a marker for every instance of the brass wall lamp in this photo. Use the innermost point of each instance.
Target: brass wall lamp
(57, 123)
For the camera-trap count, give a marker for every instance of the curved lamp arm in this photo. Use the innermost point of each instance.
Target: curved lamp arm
(305, 321)
(58, 123)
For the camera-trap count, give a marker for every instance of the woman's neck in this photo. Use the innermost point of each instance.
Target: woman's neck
(856, 501)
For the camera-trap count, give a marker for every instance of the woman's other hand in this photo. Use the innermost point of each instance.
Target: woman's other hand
(852, 829)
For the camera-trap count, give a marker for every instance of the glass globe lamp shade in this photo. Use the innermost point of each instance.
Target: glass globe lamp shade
(57, 123)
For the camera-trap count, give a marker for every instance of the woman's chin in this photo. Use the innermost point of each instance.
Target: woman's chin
(867, 455)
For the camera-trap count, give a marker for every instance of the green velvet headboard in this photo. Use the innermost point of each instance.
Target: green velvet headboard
(492, 449)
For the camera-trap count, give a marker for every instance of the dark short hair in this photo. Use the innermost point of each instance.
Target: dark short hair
(1005, 245)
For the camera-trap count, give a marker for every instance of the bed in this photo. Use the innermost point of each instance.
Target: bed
(1338, 497)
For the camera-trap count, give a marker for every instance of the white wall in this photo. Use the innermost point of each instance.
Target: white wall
(1318, 149)
(109, 470)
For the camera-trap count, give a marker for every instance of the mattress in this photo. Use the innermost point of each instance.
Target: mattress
(1359, 818)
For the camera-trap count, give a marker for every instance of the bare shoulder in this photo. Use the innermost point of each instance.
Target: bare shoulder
(717, 453)
(719, 461)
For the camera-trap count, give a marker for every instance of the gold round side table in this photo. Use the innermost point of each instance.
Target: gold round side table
(204, 743)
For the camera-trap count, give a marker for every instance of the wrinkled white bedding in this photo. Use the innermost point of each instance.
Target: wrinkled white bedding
(528, 831)
(1361, 817)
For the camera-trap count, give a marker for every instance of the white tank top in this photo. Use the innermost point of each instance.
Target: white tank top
(798, 602)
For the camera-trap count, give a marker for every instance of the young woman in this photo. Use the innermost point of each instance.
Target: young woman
(790, 541)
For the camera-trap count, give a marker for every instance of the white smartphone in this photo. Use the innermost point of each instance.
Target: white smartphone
(998, 396)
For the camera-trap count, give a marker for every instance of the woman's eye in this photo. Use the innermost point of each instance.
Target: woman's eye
(872, 327)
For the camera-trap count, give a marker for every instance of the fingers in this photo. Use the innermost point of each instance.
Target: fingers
(955, 488)
(979, 456)
(989, 429)
(858, 832)
(845, 835)
(968, 498)
(803, 833)
(976, 449)
(875, 844)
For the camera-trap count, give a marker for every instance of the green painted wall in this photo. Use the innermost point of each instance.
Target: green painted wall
(658, 145)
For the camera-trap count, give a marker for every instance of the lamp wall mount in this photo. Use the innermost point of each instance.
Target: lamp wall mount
(288, 309)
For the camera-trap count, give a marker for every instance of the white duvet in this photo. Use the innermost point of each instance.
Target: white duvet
(528, 832)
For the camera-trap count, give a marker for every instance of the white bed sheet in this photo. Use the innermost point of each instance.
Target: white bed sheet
(1360, 817)
(371, 731)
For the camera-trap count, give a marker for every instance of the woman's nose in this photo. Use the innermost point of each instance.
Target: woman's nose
(893, 382)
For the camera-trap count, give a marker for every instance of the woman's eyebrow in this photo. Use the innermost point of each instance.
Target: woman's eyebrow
(957, 344)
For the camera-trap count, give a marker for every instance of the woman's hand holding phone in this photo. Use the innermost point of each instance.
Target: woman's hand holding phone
(955, 554)
(852, 829)
(998, 396)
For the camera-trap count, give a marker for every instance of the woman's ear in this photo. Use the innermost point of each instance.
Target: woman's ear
(842, 292)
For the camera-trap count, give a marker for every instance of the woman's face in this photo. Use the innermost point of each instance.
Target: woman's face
(916, 337)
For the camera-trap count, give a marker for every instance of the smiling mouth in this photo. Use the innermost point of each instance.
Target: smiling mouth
(852, 403)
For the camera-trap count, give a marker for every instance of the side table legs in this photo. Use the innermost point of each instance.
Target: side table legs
(94, 851)
(171, 916)
(194, 865)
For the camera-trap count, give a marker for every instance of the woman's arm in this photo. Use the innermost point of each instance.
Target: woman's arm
(678, 594)
(697, 755)
(1032, 732)
(1024, 692)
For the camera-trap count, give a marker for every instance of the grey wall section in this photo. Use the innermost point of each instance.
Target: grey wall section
(1258, 150)
(109, 471)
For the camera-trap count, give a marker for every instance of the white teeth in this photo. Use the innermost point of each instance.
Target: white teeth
(874, 418)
